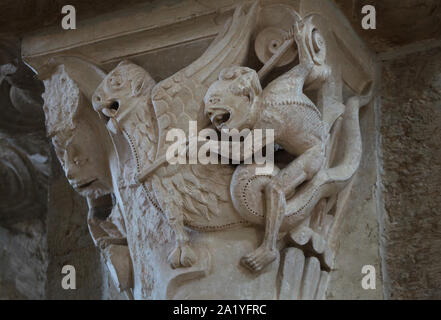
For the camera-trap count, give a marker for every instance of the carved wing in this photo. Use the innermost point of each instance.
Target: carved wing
(179, 98)
(199, 192)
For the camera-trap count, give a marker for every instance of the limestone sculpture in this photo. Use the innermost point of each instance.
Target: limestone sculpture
(80, 145)
(174, 102)
(237, 101)
(183, 223)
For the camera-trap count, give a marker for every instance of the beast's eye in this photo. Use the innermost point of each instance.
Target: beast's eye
(79, 162)
(213, 100)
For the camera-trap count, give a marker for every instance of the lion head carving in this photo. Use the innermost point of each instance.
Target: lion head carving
(123, 88)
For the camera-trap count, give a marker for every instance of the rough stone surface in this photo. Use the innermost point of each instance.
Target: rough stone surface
(23, 260)
(411, 155)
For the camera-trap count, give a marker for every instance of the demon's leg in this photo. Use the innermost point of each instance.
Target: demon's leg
(301, 169)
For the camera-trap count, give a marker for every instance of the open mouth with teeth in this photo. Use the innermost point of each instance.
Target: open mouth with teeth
(220, 118)
(85, 185)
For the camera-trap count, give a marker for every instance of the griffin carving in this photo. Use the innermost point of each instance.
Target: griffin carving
(133, 105)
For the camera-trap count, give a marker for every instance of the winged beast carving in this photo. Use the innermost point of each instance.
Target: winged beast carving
(198, 196)
(133, 105)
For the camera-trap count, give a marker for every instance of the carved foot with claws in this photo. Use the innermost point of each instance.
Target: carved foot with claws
(259, 258)
(182, 256)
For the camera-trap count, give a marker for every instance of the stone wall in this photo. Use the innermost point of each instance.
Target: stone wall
(410, 149)
(419, 19)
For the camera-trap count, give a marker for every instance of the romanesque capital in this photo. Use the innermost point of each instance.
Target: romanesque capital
(175, 212)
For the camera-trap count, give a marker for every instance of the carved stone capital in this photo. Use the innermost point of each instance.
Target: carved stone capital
(212, 230)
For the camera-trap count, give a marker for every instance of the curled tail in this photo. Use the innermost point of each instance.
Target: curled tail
(351, 140)
(330, 181)
(327, 182)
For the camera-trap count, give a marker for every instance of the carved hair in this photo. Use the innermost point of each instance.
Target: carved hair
(62, 101)
(245, 81)
(64, 106)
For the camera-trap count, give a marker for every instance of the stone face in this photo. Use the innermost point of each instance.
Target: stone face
(411, 152)
(79, 148)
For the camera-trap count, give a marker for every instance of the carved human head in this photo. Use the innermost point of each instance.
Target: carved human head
(231, 101)
(122, 89)
(78, 140)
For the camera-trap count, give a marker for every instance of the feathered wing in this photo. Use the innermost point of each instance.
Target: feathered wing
(198, 190)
